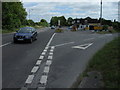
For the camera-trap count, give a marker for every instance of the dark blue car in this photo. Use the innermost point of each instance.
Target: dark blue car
(25, 34)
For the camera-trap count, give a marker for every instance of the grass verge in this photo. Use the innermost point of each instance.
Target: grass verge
(107, 61)
(106, 32)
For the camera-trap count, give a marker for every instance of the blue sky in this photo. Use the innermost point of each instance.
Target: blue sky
(46, 10)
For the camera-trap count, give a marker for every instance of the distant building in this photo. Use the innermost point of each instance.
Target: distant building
(119, 11)
(87, 23)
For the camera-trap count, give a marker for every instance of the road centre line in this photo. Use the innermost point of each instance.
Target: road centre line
(5, 44)
(50, 57)
(64, 44)
(49, 62)
(46, 69)
(38, 62)
(51, 39)
(35, 68)
(29, 79)
(43, 79)
(41, 57)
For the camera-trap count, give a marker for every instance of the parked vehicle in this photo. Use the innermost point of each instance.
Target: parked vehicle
(25, 34)
(52, 27)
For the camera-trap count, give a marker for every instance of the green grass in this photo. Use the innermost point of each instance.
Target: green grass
(107, 61)
(105, 32)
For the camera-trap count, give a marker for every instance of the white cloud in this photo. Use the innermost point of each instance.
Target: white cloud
(71, 9)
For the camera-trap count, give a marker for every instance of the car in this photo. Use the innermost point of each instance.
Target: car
(25, 34)
(52, 27)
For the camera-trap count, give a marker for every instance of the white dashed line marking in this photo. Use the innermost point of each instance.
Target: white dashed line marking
(51, 50)
(46, 69)
(35, 68)
(53, 47)
(49, 62)
(41, 57)
(43, 53)
(38, 62)
(5, 44)
(29, 79)
(43, 79)
(45, 50)
(50, 53)
(50, 57)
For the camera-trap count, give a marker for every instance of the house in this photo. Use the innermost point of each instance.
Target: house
(87, 24)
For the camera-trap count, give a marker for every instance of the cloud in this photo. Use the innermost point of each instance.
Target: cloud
(46, 10)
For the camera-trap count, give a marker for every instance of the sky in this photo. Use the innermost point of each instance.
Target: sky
(75, 9)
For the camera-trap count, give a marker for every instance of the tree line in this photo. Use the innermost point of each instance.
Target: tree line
(14, 16)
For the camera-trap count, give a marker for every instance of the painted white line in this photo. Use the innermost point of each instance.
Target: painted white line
(41, 57)
(35, 68)
(5, 44)
(84, 46)
(29, 79)
(64, 44)
(53, 47)
(51, 39)
(43, 79)
(46, 48)
(41, 88)
(88, 39)
(50, 57)
(38, 62)
(43, 53)
(49, 62)
(46, 69)
(51, 50)
(50, 53)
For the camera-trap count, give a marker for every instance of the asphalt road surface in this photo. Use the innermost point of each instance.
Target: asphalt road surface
(55, 60)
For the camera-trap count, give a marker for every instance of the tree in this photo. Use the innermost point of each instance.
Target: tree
(69, 21)
(54, 21)
(13, 15)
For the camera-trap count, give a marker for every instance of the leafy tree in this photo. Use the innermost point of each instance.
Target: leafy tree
(54, 21)
(13, 15)
(69, 21)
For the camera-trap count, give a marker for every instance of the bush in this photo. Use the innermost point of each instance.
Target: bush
(58, 30)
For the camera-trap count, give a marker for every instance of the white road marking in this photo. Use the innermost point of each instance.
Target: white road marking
(35, 68)
(43, 79)
(49, 62)
(51, 39)
(51, 50)
(41, 57)
(45, 50)
(29, 79)
(46, 69)
(84, 46)
(64, 44)
(53, 47)
(88, 39)
(43, 53)
(38, 62)
(50, 53)
(50, 57)
(5, 44)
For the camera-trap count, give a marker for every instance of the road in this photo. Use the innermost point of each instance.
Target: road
(51, 61)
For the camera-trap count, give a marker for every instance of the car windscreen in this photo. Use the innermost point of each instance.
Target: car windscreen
(25, 30)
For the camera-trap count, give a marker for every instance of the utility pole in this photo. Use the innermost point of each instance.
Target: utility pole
(101, 14)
